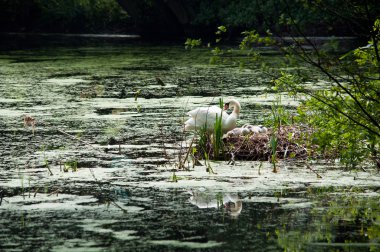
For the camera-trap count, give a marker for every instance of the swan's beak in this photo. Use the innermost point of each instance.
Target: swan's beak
(226, 106)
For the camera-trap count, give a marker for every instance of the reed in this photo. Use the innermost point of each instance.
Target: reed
(217, 139)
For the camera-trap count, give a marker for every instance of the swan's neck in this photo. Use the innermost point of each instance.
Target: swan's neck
(230, 122)
(236, 106)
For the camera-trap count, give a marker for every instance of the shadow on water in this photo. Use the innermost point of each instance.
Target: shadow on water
(96, 170)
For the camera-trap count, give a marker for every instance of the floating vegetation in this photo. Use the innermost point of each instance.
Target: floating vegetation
(145, 67)
(67, 74)
(70, 165)
(121, 165)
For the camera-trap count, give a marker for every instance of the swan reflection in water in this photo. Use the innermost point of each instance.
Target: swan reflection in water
(203, 198)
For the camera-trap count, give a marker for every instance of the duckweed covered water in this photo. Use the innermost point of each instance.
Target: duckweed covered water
(98, 172)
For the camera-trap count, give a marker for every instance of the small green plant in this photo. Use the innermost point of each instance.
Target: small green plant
(191, 43)
(221, 30)
(137, 94)
(279, 115)
(174, 178)
(217, 137)
(46, 161)
(219, 200)
(204, 140)
(273, 145)
(70, 165)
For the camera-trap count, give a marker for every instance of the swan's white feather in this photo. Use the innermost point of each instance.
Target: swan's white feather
(202, 116)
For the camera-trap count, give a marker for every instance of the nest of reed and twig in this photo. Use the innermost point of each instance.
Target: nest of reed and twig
(291, 144)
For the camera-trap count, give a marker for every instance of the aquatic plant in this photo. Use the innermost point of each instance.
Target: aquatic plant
(273, 146)
(46, 161)
(174, 178)
(70, 165)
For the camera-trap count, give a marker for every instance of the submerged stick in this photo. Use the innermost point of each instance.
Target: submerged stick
(56, 191)
(311, 169)
(35, 192)
(118, 206)
(182, 164)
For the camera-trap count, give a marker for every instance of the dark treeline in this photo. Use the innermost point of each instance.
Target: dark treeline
(312, 17)
(62, 16)
(316, 18)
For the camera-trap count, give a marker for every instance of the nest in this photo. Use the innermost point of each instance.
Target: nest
(291, 144)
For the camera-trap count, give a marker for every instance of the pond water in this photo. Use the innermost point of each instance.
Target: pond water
(96, 171)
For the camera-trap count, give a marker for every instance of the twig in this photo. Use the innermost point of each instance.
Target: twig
(182, 164)
(118, 206)
(35, 193)
(311, 169)
(56, 191)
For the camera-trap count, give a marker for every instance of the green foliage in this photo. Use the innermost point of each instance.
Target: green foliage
(273, 145)
(174, 177)
(334, 133)
(46, 161)
(221, 29)
(279, 115)
(191, 43)
(312, 17)
(204, 139)
(289, 82)
(252, 38)
(79, 15)
(345, 114)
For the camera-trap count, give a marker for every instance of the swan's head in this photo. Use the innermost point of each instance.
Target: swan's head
(232, 104)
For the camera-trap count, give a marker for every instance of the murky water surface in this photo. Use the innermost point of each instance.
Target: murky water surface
(96, 173)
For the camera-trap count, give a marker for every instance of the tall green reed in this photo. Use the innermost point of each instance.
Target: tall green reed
(217, 141)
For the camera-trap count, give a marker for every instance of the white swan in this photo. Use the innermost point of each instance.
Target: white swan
(202, 116)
